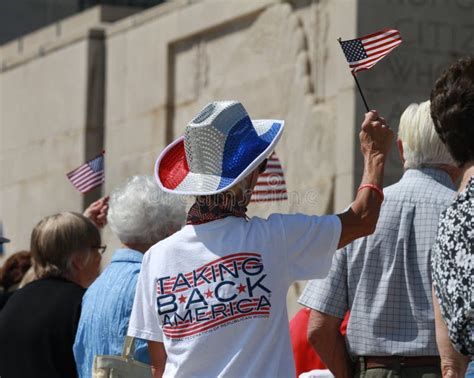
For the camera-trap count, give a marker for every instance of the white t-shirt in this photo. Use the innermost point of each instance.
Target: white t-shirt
(215, 293)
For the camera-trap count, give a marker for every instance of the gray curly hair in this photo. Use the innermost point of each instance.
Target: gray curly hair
(140, 212)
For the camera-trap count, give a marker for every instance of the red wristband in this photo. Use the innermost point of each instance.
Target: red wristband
(374, 188)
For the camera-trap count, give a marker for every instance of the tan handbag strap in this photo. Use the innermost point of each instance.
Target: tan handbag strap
(128, 347)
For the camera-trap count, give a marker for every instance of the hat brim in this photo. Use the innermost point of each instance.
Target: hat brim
(4, 240)
(173, 175)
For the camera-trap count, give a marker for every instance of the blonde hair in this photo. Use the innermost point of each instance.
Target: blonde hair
(421, 144)
(56, 238)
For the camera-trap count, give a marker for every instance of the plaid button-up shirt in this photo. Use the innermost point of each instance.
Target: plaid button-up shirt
(385, 279)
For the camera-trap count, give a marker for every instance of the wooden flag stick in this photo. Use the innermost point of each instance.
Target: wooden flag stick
(357, 82)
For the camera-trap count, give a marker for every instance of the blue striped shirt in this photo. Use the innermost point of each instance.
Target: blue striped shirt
(106, 309)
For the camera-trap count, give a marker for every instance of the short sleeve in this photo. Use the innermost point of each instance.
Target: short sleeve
(144, 322)
(329, 295)
(310, 243)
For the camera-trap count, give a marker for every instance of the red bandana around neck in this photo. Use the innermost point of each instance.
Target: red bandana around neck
(203, 211)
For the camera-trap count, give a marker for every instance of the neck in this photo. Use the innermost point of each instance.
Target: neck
(452, 171)
(140, 247)
(468, 172)
(76, 278)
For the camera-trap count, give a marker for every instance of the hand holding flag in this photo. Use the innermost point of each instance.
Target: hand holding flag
(97, 212)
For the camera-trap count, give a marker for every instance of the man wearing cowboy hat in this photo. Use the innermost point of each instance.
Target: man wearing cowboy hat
(211, 299)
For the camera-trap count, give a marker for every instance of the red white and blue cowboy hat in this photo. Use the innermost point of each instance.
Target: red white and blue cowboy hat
(220, 147)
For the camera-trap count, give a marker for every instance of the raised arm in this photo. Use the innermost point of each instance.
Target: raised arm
(361, 218)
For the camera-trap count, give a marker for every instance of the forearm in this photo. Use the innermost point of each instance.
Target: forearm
(453, 363)
(361, 218)
(332, 350)
(368, 202)
(325, 338)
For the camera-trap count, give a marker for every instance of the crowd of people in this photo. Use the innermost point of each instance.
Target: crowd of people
(203, 293)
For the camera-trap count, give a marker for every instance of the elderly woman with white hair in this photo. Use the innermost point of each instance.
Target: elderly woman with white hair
(140, 215)
(384, 279)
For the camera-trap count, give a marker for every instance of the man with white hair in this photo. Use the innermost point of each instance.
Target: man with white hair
(140, 215)
(384, 280)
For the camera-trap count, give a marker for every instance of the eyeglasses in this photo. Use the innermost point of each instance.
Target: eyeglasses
(100, 248)
(263, 166)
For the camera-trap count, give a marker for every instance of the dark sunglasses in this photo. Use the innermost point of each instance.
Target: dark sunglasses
(263, 166)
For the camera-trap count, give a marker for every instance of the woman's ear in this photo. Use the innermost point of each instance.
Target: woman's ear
(78, 261)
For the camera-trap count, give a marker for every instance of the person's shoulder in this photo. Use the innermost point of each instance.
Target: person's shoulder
(72, 287)
(421, 190)
(297, 223)
(52, 287)
(275, 220)
(159, 249)
(280, 217)
(400, 189)
(60, 286)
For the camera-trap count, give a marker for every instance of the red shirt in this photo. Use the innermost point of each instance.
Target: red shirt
(306, 359)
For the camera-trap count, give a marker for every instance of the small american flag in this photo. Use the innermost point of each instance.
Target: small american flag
(362, 53)
(88, 175)
(271, 184)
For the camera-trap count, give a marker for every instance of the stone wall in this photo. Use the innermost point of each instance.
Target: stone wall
(435, 33)
(271, 56)
(52, 99)
(130, 85)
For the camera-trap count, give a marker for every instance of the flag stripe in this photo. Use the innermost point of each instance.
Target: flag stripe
(77, 171)
(377, 40)
(210, 325)
(79, 179)
(270, 198)
(89, 178)
(379, 47)
(274, 170)
(378, 35)
(371, 59)
(271, 184)
(189, 326)
(91, 185)
(273, 181)
(85, 177)
(90, 182)
(367, 64)
(271, 191)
